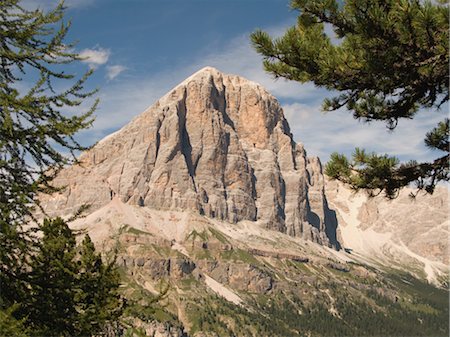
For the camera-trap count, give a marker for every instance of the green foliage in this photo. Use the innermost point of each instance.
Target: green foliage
(376, 315)
(146, 307)
(71, 292)
(377, 173)
(37, 95)
(51, 308)
(194, 234)
(218, 235)
(47, 284)
(136, 231)
(14, 250)
(98, 302)
(340, 305)
(390, 59)
(438, 137)
(239, 255)
(10, 326)
(32, 123)
(368, 171)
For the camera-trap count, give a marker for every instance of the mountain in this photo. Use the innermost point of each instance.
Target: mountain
(408, 233)
(205, 197)
(217, 145)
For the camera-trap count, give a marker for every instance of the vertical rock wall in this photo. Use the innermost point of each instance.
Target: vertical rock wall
(216, 144)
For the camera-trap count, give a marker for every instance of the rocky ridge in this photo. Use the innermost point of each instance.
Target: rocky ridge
(196, 196)
(216, 144)
(411, 233)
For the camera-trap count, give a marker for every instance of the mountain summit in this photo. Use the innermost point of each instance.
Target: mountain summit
(207, 193)
(216, 144)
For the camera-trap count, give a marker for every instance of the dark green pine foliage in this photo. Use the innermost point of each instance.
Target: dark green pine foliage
(72, 292)
(51, 309)
(10, 326)
(98, 301)
(391, 60)
(48, 284)
(36, 123)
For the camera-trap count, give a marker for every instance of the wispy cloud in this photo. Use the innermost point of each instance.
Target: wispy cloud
(324, 133)
(95, 57)
(321, 133)
(238, 57)
(113, 71)
(120, 101)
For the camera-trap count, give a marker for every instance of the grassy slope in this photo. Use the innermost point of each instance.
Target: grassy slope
(309, 299)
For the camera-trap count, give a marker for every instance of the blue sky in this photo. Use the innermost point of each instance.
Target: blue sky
(143, 48)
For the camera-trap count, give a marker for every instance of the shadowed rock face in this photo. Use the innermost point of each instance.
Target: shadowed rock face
(216, 144)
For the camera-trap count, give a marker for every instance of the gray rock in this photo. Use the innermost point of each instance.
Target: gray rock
(216, 144)
(158, 268)
(181, 267)
(339, 267)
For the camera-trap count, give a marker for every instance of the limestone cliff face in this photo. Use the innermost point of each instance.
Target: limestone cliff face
(417, 227)
(216, 144)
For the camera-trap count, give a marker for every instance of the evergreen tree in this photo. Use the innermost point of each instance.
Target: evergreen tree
(72, 292)
(10, 326)
(98, 300)
(34, 124)
(391, 60)
(44, 283)
(51, 308)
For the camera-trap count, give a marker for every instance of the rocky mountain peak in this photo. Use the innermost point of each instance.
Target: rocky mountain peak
(217, 145)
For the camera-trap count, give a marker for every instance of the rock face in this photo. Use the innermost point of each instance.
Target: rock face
(416, 228)
(216, 144)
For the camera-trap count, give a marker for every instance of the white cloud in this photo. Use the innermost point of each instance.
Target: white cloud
(324, 133)
(321, 133)
(238, 57)
(95, 57)
(114, 71)
(298, 113)
(122, 100)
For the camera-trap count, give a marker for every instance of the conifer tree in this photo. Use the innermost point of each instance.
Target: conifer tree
(35, 126)
(72, 292)
(391, 60)
(98, 301)
(10, 326)
(51, 308)
(43, 282)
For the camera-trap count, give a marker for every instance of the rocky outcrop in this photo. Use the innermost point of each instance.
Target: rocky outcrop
(239, 276)
(277, 255)
(159, 268)
(417, 228)
(216, 144)
(157, 329)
